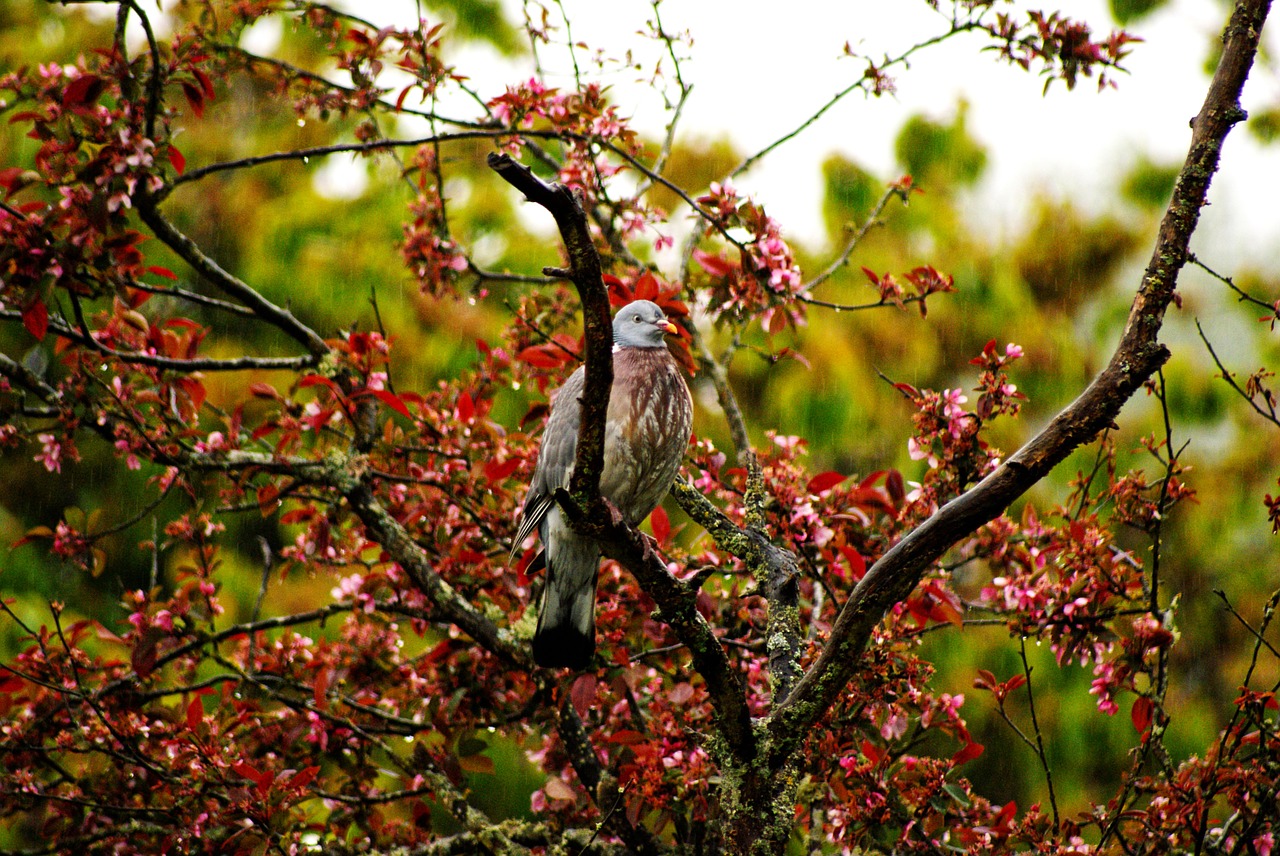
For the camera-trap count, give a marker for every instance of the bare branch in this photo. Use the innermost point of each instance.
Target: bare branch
(1269, 414)
(855, 238)
(861, 83)
(195, 364)
(191, 253)
(584, 268)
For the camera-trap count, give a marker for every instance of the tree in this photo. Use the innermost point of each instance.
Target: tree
(318, 645)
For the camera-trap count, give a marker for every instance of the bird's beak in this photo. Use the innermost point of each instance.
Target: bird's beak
(669, 327)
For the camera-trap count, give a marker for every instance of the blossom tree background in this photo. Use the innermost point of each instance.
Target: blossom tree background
(972, 550)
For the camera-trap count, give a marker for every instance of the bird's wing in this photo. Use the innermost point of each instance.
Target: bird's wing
(555, 457)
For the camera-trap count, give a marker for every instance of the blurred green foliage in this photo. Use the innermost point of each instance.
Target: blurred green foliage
(1128, 11)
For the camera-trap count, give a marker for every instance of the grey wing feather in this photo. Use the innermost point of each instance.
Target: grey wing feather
(555, 458)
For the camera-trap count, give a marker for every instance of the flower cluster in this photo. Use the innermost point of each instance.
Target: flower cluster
(765, 277)
(948, 436)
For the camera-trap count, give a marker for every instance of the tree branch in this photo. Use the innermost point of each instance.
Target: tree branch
(229, 284)
(400, 546)
(1138, 355)
(582, 755)
(585, 271)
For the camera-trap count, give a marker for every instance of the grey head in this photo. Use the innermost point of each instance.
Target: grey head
(641, 325)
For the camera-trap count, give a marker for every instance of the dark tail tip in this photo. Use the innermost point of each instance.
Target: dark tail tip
(563, 646)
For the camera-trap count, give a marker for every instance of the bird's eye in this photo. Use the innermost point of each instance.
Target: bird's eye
(636, 318)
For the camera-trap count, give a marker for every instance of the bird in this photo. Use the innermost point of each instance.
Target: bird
(647, 429)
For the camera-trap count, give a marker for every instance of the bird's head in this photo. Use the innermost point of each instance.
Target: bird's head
(641, 324)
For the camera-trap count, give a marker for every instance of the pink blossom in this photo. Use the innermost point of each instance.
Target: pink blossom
(130, 459)
(50, 453)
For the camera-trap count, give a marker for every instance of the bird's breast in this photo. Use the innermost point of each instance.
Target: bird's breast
(650, 417)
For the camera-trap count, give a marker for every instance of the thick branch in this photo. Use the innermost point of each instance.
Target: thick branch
(1137, 356)
(584, 270)
(400, 547)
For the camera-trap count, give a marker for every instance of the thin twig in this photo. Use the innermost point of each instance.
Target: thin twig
(1035, 728)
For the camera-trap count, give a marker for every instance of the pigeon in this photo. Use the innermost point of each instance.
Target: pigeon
(647, 429)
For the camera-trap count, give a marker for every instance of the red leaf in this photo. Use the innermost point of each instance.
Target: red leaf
(36, 319)
(583, 694)
(321, 380)
(144, 655)
(9, 682)
(205, 83)
(403, 94)
(1141, 714)
(661, 525)
(268, 499)
(626, 737)
(161, 271)
(496, 471)
(714, 265)
(195, 713)
(263, 390)
(85, 89)
(250, 772)
(9, 179)
(985, 680)
(970, 751)
(823, 482)
(194, 389)
(857, 564)
(302, 778)
(897, 489)
(543, 356)
(176, 158)
(944, 605)
(646, 286)
(195, 97)
(620, 293)
(466, 409)
(320, 692)
(391, 400)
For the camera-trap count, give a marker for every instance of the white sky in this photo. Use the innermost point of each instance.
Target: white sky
(759, 68)
(758, 71)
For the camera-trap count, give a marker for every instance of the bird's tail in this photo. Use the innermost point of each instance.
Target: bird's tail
(566, 633)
